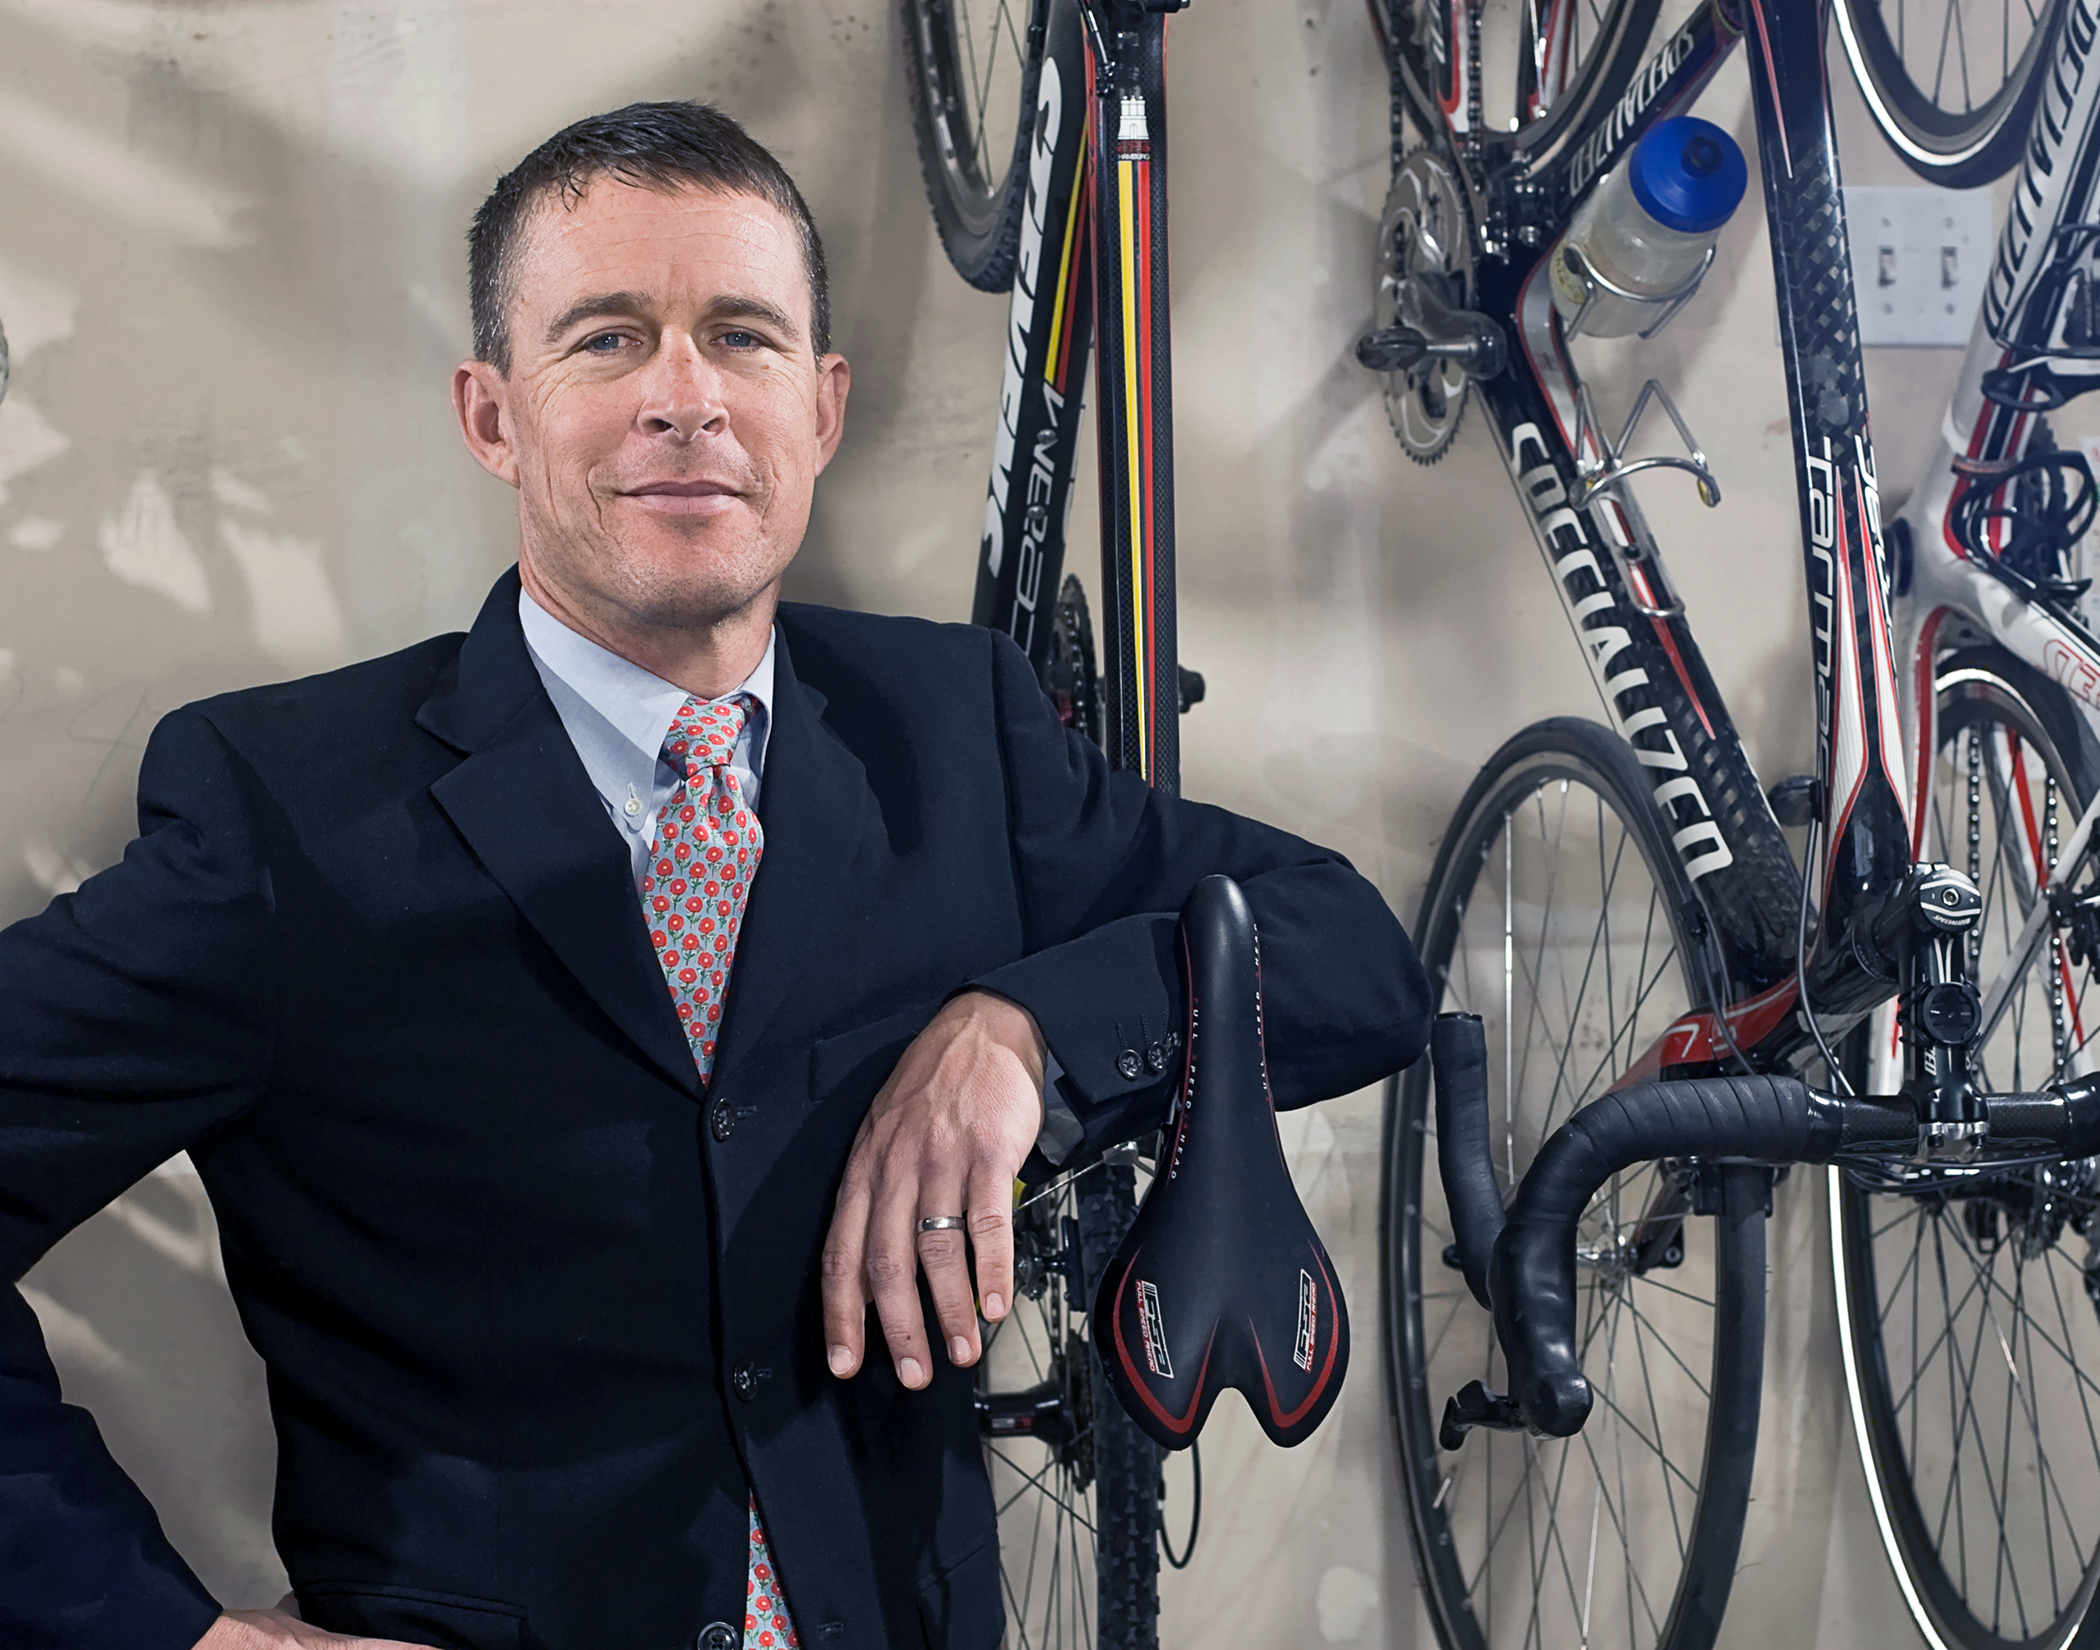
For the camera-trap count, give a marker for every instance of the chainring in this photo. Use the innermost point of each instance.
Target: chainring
(1069, 676)
(1424, 230)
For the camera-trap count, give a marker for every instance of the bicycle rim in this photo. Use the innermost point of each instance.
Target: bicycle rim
(1554, 912)
(1543, 62)
(1970, 1329)
(1951, 83)
(972, 68)
(1076, 1484)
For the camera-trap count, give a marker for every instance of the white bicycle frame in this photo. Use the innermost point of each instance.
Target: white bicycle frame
(1953, 599)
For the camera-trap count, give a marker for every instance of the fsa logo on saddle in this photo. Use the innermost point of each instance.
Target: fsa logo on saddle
(1308, 1321)
(1154, 1330)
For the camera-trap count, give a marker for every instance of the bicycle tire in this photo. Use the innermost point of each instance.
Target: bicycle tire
(1927, 1515)
(1957, 148)
(1418, 58)
(1076, 1483)
(977, 189)
(1543, 766)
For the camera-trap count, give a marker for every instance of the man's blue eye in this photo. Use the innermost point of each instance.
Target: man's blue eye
(739, 340)
(603, 342)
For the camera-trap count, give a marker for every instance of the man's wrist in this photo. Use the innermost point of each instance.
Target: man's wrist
(1013, 1027)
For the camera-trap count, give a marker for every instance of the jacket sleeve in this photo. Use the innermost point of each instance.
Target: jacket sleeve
(135, 1020)
(1102, 865)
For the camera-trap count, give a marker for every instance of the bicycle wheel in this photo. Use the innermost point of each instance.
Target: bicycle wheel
(1076, 1483)
(1951, 83)
(971, 68)
(1543, 62)
(1555, 912)
(1969, 1303)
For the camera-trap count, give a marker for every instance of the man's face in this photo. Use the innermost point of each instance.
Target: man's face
(665, 418)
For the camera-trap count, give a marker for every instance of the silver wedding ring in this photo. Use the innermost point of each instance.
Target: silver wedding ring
(940, 1223)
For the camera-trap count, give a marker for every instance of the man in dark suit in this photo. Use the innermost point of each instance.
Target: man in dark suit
(579, 1023)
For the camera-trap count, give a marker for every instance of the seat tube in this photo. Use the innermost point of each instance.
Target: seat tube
(1133, 402)
(1859, 739)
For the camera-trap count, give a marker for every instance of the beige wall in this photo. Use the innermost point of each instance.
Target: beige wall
(231, 265)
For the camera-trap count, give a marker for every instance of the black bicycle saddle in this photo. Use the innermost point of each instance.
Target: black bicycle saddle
(1221, 1280)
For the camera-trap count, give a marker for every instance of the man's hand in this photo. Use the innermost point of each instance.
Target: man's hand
(946, 1136)
(278, 1629)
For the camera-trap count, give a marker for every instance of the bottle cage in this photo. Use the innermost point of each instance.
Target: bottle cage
(1221, 1280)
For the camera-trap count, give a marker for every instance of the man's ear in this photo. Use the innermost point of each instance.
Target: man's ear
(834, 379)
(480, 399)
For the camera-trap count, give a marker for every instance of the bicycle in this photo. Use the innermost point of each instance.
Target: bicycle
(1042, 138)
(1623, 910)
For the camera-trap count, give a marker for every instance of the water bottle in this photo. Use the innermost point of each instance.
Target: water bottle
(1647, 227)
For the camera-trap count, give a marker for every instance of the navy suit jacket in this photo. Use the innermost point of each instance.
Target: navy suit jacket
(538, 1311)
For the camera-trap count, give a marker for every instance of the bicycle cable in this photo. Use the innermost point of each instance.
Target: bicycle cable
(1188, 1547)
(1808, 1012)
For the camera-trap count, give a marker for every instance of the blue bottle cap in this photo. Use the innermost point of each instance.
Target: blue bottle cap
(1688, 174)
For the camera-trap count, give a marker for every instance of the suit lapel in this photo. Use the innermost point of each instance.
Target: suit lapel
(815, 807)
(528, 810)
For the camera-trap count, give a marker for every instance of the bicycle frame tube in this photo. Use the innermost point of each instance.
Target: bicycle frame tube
(1048, 331)
(1643, 656)
(2021, 321)
(1091, 273)
(1647, 667)
(1949, 592)
(1134, 404)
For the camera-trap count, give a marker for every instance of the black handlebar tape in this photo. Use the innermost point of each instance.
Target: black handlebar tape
(2066, 1119)
(1531, 1279)
(1465, 1157)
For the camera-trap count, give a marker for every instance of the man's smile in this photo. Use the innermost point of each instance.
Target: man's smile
(683, 498)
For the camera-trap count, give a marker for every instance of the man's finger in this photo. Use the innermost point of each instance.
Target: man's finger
(892, 1271)
(943, 1253)
(845, 1287)
(992, 1237)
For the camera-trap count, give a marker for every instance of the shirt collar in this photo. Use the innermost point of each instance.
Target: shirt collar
(638, 703)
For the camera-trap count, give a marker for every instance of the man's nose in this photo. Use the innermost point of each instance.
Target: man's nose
(683, 393)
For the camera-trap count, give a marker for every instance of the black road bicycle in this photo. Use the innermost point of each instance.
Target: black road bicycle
(1042, 135)
(1574, 1232)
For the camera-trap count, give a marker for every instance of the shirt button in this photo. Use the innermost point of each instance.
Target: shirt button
(1129, 1064)
(717, 1635)
(721, 1119)
(743, 1380)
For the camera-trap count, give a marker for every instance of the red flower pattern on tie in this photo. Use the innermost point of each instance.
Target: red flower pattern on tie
(707, 849)
(766, 1624)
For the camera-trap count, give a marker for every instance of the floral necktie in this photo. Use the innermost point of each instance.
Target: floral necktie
(708, 844)
(707, 848)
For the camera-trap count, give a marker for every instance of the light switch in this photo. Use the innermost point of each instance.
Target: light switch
(1919, 259)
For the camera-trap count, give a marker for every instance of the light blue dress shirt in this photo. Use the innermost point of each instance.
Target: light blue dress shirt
(618, 715)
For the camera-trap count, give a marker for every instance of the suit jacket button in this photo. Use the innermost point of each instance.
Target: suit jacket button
(718, 1635)
(1156, 1058)
(1129, 1064)
(743, 1380)
(721, 1119)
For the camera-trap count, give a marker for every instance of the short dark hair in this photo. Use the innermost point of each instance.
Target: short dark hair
(649, 145)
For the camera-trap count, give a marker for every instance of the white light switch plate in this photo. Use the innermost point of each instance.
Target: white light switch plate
(1919, 259)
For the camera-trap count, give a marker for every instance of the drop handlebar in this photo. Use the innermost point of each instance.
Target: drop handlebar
(1520, 1261)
